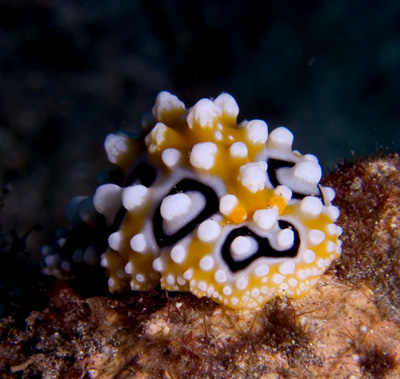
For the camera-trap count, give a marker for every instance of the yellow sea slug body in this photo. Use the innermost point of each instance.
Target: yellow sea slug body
(219, 209)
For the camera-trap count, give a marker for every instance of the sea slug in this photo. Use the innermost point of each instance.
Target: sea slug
(216, 208)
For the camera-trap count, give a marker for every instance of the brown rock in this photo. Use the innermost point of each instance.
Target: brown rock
(348, 326)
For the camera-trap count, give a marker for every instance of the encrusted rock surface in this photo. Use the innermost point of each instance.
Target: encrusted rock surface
(348, 327)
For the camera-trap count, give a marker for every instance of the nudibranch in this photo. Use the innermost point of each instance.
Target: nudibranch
(220, 209)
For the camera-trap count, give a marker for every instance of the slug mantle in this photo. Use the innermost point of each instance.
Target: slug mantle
(213, 207)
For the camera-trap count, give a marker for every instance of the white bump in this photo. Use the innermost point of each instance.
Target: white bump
(227, 204)
(283, 191)
(264, 290)
(328, 194)
(188, 274)
(311, 206)
(281, 137)
(167, 107)
(234, 301)
(253, 176)
(241, 283)
(287, 268)
(238, 150)
(116, 240)
(227, 290)
(309, 256)
(178, 254)
(278, 279)
(285, 238)
(316, 236)
(332, 212)
(203, 155)
(208, 231)
(302, 177)
(332, 229)
(181, 281)
(256, 131)
(266, 219)
(156, 137)
(243, 247)
(170, 279)
(129, 268)
(203, 114)
(159, 265)
(255, 292)
(302, 274)
(228, 105)
(206, 263)
(107, 200)
(171, 157)
(261, 270)
(293, 282)
(115, 145)
(220, 276)
(331, 247)
(134, 196)
(321, 263)
(140, 278)
(175, 206)
(138, 243)
(218, 135)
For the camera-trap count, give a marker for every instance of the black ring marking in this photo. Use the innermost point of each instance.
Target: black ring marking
(276, 164)
(212, 205)
(264, 247)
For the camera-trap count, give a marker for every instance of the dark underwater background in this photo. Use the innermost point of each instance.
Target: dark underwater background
(72, 71)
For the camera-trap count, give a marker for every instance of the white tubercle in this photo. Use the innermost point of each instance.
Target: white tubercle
(311, 206)
(203, 114)
(280, 138)
(328, 194)
(174, 206)
(165, 104)
(266, 219)
(178, 254)
(138, 243)
(316, 236)
(285, 238)
(256, 131)
(107, 200)
(203, 155)
(287, 268)
(254, 176)
(208, 231)
(303, 177)
(238, 150)
(206, 263)
(134, 197)
(116, 240)
(115, 145)
(171, 157)
(228, 105)
(156, 137)
(283, 191)
(243, 247)
(227, 204)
